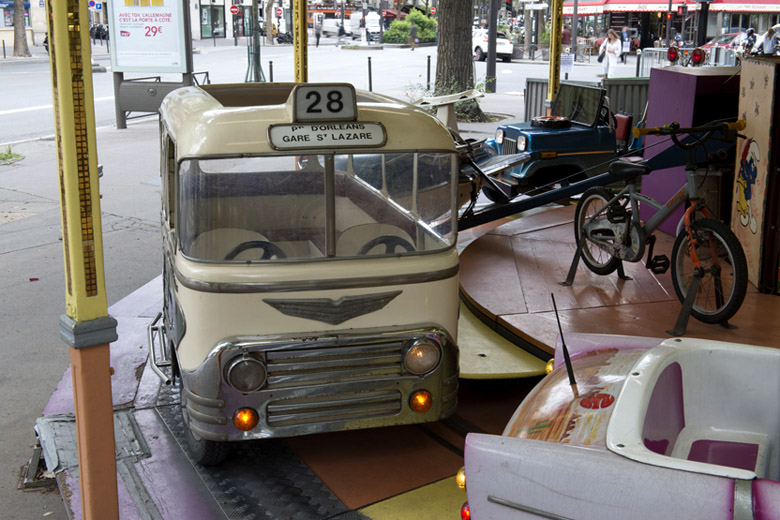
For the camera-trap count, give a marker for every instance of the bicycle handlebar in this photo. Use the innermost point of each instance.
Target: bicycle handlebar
(674, 129)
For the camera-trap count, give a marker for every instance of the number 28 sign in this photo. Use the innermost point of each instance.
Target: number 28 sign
(325, 102)
(325, 117)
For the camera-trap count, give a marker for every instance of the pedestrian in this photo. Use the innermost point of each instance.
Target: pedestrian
(604, 60)
(317, 34)
(412, 35)
(342, 34)
(625, 38)
(750, 41)
(768, 47)
(566, 35)
(613, 48)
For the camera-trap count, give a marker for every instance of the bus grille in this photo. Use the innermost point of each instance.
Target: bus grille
(334, 366)
(509, 146)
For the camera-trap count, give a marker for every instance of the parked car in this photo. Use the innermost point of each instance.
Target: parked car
(728, 40)
(653, 428)
(577, 136)
(479, 41)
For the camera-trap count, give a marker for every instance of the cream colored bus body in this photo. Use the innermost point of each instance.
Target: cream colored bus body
(331, 325)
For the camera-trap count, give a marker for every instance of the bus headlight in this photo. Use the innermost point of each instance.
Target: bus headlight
(499, 136)
(422, 357)
(246, 374)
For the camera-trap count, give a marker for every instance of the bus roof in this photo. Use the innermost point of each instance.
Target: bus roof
(234, 119)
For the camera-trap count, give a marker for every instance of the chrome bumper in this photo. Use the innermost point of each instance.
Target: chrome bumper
(326, 383)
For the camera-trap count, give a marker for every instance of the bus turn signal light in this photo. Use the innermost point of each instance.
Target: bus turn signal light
(421, 401)
(245, 419)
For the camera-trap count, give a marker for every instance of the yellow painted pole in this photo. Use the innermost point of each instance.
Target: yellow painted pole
(85, 326)
(554, 80)
(300, 42)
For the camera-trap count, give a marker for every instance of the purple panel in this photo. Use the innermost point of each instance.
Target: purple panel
(766, 499)
(740, 455)
(665, 417)
(128, 355)
(70, 489)
(144, 302)
(671, 95)
(689, 96)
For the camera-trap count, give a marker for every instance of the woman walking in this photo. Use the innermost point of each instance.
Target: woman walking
(614, 48)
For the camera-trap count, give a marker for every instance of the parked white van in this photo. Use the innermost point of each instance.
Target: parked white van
(372, 24)
(330, 26)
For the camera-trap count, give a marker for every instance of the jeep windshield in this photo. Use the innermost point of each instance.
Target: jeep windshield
(247, 209)
(579, 103)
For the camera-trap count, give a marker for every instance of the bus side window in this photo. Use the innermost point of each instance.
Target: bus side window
(169, 196)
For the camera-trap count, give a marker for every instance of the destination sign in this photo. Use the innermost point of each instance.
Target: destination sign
(326, 135)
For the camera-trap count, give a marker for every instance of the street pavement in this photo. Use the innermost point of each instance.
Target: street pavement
(31, 266)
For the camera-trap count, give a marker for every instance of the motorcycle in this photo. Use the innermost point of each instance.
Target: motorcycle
(284, 38)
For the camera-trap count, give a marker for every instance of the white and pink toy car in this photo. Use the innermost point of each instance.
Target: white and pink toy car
(675, 428)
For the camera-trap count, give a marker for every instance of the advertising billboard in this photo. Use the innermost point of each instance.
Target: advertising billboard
(147, 36)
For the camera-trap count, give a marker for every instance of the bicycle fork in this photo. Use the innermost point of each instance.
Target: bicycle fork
(698, 270)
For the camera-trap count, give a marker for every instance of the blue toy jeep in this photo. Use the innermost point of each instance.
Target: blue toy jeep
(578, 140)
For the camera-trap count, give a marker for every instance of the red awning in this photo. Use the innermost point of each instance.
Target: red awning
(589, 7)
(393, 13)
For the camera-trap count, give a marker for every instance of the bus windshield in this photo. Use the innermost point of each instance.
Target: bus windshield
(269, 208)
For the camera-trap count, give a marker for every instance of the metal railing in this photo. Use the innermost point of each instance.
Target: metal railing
(626, 95)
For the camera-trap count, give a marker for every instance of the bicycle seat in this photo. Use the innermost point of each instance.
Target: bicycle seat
(626, 169)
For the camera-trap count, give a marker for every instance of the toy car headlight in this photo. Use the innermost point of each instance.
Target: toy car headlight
(422, 357)
(521, 143)
(499, 136)
(246, 374)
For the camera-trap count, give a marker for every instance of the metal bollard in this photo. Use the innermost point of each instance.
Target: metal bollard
(369, 75)
(4, 49)
(270, 71)
(638, 59)
(428, 86)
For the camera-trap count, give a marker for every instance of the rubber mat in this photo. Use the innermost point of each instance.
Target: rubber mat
(261, 479)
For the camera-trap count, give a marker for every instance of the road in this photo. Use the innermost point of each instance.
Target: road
(26, 106)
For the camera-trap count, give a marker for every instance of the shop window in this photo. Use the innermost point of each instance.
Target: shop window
(212, 21)
(7, 9)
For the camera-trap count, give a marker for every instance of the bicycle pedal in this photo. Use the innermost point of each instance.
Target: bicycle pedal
(659, 264)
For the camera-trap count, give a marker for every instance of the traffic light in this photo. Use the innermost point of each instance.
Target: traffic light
(509, 9)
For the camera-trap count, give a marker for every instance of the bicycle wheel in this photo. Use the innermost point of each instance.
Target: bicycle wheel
(597, 260)
(724, 283)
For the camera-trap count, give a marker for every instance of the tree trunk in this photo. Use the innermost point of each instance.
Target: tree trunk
(455, 67)
(20, 35)
(269, 22)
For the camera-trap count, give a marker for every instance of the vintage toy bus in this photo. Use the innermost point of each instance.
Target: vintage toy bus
(310, 270)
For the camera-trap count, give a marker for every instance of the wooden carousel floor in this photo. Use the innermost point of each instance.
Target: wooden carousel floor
(509, 273)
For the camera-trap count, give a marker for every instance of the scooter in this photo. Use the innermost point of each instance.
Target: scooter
(284, 38)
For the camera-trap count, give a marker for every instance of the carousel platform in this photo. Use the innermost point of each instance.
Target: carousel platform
(509, 272)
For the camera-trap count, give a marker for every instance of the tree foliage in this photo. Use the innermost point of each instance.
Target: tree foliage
(455, 68)
(20, 35)
(398, 32)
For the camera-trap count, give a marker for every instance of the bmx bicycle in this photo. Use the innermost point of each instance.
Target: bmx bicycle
(709, 270)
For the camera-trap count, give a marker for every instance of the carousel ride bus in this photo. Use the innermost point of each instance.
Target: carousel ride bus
(310, 269)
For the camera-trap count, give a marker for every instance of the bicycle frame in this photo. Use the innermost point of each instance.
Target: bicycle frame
(688, 192)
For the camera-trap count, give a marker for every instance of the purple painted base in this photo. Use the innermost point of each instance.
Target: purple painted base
(167, 477)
